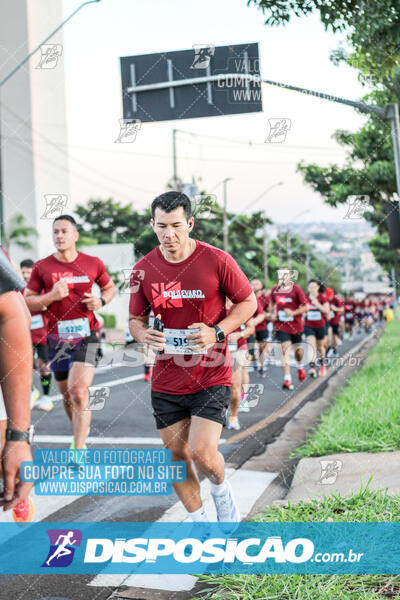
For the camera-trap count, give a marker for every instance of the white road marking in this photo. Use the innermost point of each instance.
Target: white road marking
(67, 439)
(111, 383)
(247, 486)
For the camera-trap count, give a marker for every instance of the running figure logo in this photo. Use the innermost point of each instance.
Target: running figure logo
(202, 56)
(55, 205)
(329, 471)
(278, 129)
(63, 543)
(356, 207)
(128, 130)
(49, 55)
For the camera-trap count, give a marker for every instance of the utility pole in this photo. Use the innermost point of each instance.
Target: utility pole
(307, 265)
(174, 166)
(224, 214)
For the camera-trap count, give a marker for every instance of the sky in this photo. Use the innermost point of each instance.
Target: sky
(135, 173)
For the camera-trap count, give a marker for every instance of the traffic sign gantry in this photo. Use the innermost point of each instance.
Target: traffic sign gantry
(206, 81)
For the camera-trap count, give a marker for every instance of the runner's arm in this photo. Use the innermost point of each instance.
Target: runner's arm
(146, 335)
(240, 313)
(303, 308)
(108, 291)
(259, 318)
(138, 327)
(36, 301)
(16, 377)
(245, 333)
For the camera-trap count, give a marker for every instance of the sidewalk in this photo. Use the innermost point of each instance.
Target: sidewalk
(345, 474)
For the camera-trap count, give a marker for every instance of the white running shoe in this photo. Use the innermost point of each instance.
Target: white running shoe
(35, 395)
(234, 423)
(44, 403)
(226, 507)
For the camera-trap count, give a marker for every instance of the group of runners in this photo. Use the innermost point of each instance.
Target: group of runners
(190, 304)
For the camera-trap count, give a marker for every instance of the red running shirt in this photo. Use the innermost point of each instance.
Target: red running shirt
(314, 317)
(263, 301)
(187, 292)
(336, 316)
(80, 275)
(293, 300)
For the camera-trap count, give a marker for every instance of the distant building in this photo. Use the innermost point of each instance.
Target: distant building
(34, 161)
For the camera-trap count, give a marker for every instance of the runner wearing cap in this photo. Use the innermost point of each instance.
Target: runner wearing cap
(288, 304)
(314, 325)
(66, 278)
(185, 282)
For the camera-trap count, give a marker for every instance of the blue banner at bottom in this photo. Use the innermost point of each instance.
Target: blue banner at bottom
(195, 548)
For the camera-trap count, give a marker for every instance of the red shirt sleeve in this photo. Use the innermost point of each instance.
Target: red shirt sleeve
(233, 281)
(102, 276)
(35, 282)
(301, 297)
(139, 306)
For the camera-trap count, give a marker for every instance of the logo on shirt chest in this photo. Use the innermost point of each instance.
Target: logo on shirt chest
(69, 277)
(283, 299)
(170, 295)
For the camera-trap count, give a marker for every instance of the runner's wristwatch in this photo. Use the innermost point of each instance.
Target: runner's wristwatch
(13, 435)
(220, 333)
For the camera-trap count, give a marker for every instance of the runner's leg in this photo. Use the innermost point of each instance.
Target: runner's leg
(63, 387)
(235, 395)
(175, 438)
(204, 436)
(80, 378)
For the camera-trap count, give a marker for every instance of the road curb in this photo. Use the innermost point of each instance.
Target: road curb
(253, 441)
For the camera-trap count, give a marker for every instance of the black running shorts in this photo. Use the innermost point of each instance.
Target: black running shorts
(210, 403)
(283, 336)
(318, 332)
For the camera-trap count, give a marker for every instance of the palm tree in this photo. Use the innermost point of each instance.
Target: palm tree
(18, 232)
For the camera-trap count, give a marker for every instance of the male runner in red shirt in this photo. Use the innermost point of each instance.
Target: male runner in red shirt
(67, 278)
(39, 343)
(185, 283)
(288, 303)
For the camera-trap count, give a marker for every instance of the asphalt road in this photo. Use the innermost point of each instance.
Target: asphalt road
(124, 421)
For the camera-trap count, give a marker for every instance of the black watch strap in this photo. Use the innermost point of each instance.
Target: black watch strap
(103, 301)
(13, 435)
(220, 333)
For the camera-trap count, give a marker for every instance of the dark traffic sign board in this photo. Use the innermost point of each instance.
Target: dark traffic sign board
(206, 81)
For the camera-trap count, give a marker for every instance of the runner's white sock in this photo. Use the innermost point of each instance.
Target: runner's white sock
(199, 515)
(288, 377)
(217, 489)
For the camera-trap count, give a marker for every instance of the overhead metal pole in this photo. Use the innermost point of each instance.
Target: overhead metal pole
(174, 165)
